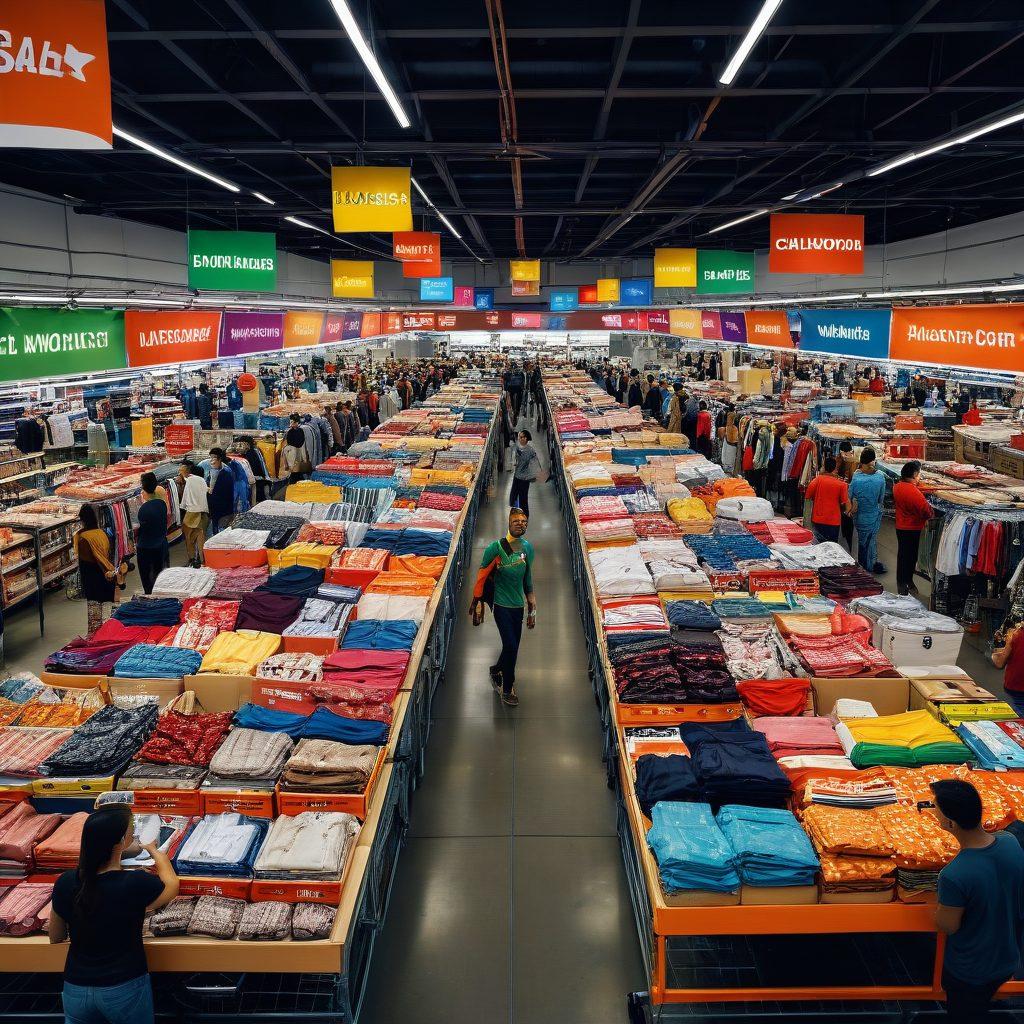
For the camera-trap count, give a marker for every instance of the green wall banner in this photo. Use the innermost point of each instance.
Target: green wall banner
(720, 272)
(38, 342)
(232, 261)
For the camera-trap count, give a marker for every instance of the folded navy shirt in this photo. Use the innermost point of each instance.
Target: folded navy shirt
(665, 778)
(692, 615)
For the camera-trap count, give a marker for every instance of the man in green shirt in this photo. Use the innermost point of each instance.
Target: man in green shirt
(505, 579)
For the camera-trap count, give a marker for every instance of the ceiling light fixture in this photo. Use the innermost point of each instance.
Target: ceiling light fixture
(738, 220)
(171, 158)
(444, 220)
(968, 136)
(264, 199)
(368, 57)
(768, 9)
(305, 224)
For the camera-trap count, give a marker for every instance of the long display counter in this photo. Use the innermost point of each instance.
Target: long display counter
(340, 962)
(856, 958)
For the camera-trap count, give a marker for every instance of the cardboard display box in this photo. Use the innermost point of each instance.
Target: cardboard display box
(217, 692)
(886, 696)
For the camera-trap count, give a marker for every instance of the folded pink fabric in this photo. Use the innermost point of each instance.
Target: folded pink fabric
(794, 736)
(22, 908)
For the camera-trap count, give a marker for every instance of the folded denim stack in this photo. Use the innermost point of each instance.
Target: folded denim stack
(183, 583)
(103, 745)
(769, 846)
(669, 777)
(326, 766)
(185, 739)
(24, 908)
(691, 851)
(734, 766)
(310, 845)
(267, 921)
(380, 635)
(156, 661)
(150, 611)
(323, 723)
(692, 615)
(221, 844)
(251, 753)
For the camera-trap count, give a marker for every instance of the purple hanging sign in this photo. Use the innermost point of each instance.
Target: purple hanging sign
(244, 333)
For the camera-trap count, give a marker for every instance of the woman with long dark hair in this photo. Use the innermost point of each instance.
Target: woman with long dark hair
(101, 908)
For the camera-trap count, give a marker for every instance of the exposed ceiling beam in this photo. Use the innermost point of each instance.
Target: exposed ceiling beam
(579, 31)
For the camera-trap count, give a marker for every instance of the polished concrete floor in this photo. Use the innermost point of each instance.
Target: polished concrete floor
(510, 903)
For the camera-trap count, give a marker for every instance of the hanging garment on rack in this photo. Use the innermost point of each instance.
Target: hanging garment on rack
(58, 427)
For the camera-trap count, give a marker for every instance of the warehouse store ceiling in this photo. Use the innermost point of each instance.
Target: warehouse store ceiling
(581, 130)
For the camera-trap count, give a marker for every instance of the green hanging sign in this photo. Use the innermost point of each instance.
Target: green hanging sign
(720, 272)
(36, 343)
(232, 261)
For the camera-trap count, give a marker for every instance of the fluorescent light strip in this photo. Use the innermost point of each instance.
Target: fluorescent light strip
(444, 220)
(957, 140)
(264, 199)
(171, 158)
(753, 34)
(305, 224)
(738, 220)
(368, 57)
(112, 300)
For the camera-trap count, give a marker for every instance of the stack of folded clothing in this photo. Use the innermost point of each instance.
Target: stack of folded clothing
(620, 571)
(248, 756)
(280, 528)
(148, 775)
(312, 921)
(846, 831)
(202, 620)
(59, 850)
(307, 553)
(321, 617)
(221, 844)
(921, 849)
(691, 615)
(183, 583)
(633, 615)
(812, 556)
(799, 735)
(156, 661)
(364, 669)
(238, 653)
(75, 708)
(324, 723)
(294, 668)
(655, 525)
(392, 606)
(769, 846)
(609, 531)
(910, 740)
(267, 612)
(21, 829)
(840, 657)
(267, 921)
(217, 917)
(25, 908)
(326, 766)
(738, 609)
(691, 515)
(380, 635)
(98, 654)
(861, 790)
(185, 739)
(751, 650)
(843, 874)
(310, 845)
(23, 750)
(734, 765)
(103, 745)
(991, 745)
(845, 582)
(333, 534)
(690, 849)
(665, 777)
(241, 580)
(150, 611)
(235, 539)
(172, 919)
(774, 697)
(780, 531)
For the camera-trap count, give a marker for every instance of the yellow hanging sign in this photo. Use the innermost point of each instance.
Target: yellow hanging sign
(675, 268)
(607, 289)
(142, 432)
(684, 323)
(352, 279)
(371, 199)
(525, 270)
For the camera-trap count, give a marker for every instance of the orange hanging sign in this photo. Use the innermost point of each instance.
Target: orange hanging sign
(418, 251)
(768, 327)
(159, 338)
(302, 329)
(54, 75)
(989, 337)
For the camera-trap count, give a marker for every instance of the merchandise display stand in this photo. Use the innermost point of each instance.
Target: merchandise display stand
(291, 980)
(679, 943)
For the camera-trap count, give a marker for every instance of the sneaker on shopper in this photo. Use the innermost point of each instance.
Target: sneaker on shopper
(510, 699)
(495, 675)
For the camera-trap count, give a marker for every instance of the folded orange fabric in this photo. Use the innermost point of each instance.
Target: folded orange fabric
(848, 831)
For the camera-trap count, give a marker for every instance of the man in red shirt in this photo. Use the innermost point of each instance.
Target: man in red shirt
(912, 515)
(830, 498)
(972, 417)
(1009, 655)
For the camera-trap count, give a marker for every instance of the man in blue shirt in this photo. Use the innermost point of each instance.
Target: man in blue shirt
(981, 903)
(867, 492)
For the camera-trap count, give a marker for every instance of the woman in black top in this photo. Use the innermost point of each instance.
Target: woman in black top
(151, 542)
(101, 908)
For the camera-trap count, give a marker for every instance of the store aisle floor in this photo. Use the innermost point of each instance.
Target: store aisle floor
(511, 902)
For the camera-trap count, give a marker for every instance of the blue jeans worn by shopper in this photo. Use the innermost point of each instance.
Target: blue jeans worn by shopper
(823, 532)
(131, 1002)
(867, 546)
(510, 628)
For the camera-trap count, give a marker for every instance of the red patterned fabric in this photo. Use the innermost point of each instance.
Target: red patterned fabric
(185, 739)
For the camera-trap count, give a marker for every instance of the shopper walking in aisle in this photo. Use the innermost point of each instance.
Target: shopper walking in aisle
(675, 410)
(1008, 654)
(95, 568)
(101, 907)
(867, 496)
(505, 580)
(634, 396)
(195, 511)
(830, 498)
(151, 540)
(846, 466)
(515, 381)
(703, 430)
(654, 399)
(221, 492)
(912, 515)
(527, 469)
(980, 903)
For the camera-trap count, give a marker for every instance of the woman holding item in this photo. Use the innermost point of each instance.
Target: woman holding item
(95, 568)
(100, 907)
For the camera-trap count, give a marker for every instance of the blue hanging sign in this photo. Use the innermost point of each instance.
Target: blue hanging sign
(859, 333)
(437, 289)
(565, 300)
(636, 291)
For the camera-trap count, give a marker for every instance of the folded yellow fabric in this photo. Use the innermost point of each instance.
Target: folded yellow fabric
(911, 729)
(312, 490)
(315, 556)
(238, 654)
(681, 510)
